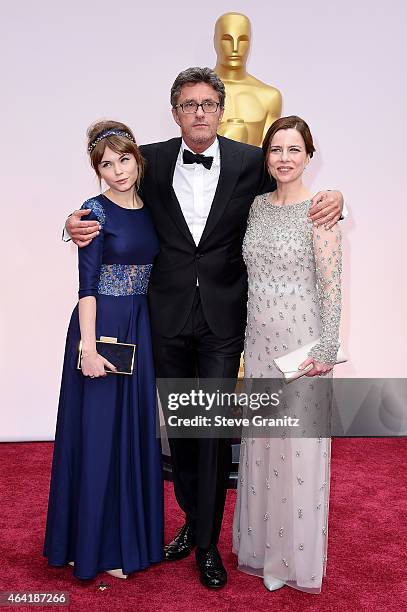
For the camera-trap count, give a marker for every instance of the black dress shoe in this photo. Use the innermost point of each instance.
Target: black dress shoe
(211, 571)
(181, 546)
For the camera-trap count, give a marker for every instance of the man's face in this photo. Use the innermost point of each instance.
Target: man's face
(198, 128)
(232, 40)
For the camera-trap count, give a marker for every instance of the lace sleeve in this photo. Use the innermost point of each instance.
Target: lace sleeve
(328, 263)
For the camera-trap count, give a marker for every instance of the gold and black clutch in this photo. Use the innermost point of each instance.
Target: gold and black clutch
(119, 354)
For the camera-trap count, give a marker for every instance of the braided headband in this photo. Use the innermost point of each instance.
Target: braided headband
(106, 133)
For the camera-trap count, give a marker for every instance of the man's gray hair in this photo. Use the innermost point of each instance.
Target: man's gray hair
(197, 75)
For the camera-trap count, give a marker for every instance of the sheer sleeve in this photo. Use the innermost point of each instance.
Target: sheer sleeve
(90, 257)
(328, 263)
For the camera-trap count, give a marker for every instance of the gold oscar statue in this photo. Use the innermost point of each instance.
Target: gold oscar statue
(251, 106)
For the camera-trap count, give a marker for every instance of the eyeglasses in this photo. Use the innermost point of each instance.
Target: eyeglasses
(209, 106)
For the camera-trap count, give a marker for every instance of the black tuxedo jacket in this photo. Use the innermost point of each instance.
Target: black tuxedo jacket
(217, 260)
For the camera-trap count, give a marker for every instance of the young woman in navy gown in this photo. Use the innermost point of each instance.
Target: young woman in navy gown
(105, 509)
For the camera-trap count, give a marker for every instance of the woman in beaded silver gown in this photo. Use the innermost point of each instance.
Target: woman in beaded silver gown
(281, 514)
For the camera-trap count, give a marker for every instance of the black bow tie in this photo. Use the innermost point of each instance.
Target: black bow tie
(196, 158)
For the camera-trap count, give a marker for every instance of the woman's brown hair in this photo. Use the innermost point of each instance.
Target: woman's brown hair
(118, 144)
(286, 123)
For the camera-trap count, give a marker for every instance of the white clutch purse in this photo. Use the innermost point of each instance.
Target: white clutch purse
(288, 364)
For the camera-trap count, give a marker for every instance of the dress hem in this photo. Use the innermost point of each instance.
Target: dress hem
(106, 569)
(259, 573)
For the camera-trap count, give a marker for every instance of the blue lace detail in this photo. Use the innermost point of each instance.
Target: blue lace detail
(97, 209)
(121, 279)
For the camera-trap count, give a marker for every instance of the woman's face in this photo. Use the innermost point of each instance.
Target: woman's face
(287, 156)
(118, 170)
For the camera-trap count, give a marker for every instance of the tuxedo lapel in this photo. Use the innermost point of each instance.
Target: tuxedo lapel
(230, 164)
(166, 160)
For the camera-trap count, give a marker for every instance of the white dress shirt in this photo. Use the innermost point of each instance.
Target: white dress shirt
(195, 187)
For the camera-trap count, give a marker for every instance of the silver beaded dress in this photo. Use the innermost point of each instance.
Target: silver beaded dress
(281, 514)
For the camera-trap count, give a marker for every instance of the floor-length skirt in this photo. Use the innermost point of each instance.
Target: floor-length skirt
(281, 516)
(106, 494)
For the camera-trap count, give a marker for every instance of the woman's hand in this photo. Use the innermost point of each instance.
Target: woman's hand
(326, 208)
(81, 232)
(93, 364)
(318, 368)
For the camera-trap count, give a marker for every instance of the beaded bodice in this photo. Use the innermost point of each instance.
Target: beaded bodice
(294, 283)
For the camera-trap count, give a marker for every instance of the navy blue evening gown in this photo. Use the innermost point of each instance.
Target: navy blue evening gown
(105, 506)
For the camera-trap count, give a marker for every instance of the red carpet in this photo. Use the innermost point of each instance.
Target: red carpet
(367, 556)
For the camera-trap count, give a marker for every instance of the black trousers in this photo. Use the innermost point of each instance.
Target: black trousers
(200, 467)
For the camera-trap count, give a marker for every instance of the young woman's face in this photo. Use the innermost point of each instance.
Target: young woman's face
(118, 170)
(287, 156)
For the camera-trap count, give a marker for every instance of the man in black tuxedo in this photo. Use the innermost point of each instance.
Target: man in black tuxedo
(199, 189)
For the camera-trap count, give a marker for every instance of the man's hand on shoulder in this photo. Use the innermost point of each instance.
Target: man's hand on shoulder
(81, 232)
(326, 208)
